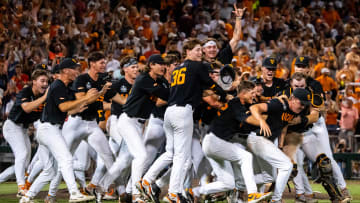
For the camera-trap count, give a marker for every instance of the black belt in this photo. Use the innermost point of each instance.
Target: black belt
(142, 121)
(87, 119)
(52, 123)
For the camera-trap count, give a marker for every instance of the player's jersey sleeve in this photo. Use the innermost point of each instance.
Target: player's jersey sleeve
(23, 96)
(225, 55)
(80, 84)
(156, 89)
(59, 95)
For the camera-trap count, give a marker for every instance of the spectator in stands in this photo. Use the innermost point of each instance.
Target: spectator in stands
(20, 79)
(348, 121)
(331, 113)
(328, 84)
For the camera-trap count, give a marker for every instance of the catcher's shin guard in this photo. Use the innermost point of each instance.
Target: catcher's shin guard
(323, 164)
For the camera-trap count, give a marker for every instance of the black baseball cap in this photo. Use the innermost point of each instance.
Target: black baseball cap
(69, 63)
(156, 58)
(41, 66)
(270, 63)
(257, 80)
(303, 95)
(55, 69)
(302, 61)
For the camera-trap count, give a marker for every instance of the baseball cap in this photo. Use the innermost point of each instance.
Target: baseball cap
(302, 61)
(41, 66)
(55, 69)
(257, 80)
(270, 63)
(156, 58)
(303, 95)
(69, 63)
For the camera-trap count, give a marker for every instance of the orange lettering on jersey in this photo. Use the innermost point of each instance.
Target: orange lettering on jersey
(100, 99)
(224, 107)
(39, 108)
(287, 117)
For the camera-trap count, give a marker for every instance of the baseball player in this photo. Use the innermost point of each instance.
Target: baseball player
(223, 154)
(146, 92)
(225, 55)
(319, 128)
(84, 126)
(122, 87)
(185, 94)
(271, 84)
(278, 115)
(58, 103)
(27, 109)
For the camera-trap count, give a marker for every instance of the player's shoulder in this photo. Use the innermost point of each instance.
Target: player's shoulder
(82, 77)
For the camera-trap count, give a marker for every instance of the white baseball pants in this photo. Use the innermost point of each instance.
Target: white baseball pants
(321, 132)
(52, 145)
(301, 181)
(221, 155)
(20, 144)
(267, 151)
(179, 126)
(7, 174)
(131, 132)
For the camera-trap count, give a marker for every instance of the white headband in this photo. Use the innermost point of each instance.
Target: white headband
(210, 43)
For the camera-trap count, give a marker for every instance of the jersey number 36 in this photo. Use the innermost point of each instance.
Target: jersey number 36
(178, 77)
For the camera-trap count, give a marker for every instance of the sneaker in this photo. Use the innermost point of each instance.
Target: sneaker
(26, 199)
(151, 190)
(78, 197)
(21, 191)
(257, 197)
(125, 198)
(175, 198)
(110, 195)
(300, 198)
(50, 199)
(346, 194)
(310, 198)
(90, 189)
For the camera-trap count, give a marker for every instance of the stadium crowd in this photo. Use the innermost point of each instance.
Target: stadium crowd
(38, 32)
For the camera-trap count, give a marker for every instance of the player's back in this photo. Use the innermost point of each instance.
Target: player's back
(186, 83)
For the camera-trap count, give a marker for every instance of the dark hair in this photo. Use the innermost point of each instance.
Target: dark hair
(190, 44)
(39, 72)
(245, 86)
(298, 76)
(95, 56)
(171, 58)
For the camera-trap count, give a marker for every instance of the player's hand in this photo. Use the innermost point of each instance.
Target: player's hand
(282, 98)
(295, 121)
(229, 97)
(238, 11)
(92, 93)
(105, 88)
(264, 128)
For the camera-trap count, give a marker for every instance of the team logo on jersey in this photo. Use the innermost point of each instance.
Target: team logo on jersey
(308, 97)
(88, 85)
(301, 58)
(123, 88)
(287, 117)
(272, 61)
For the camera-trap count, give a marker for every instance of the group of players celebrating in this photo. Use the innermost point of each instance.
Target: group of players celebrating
(201, 118)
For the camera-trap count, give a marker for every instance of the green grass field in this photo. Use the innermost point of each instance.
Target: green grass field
(8, 192)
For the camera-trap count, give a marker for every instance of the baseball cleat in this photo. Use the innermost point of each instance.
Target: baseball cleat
(310, 199)
(21, 191)
(257, 197)
(138, 199)
(78, 197)
(50, 199)
(346, 194)
(151, 190)
(90, 189)
(110, 195)
(300, 198)
(175, 198)
(26, 199)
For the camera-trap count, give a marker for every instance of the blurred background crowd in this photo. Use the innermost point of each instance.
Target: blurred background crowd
(43, 31)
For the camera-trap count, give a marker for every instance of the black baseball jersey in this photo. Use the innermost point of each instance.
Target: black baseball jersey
(205, 113)
(229, 120)
(159, 112)
(187, 83)
(277, 86)
(315, 86)
(279, 115)
(123, 88)
(143, 96)
(58, 93)
(95, 110)
(316, 101)
(225, 55)
(18, 115)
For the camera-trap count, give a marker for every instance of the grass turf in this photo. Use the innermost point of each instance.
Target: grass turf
(8, 191)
